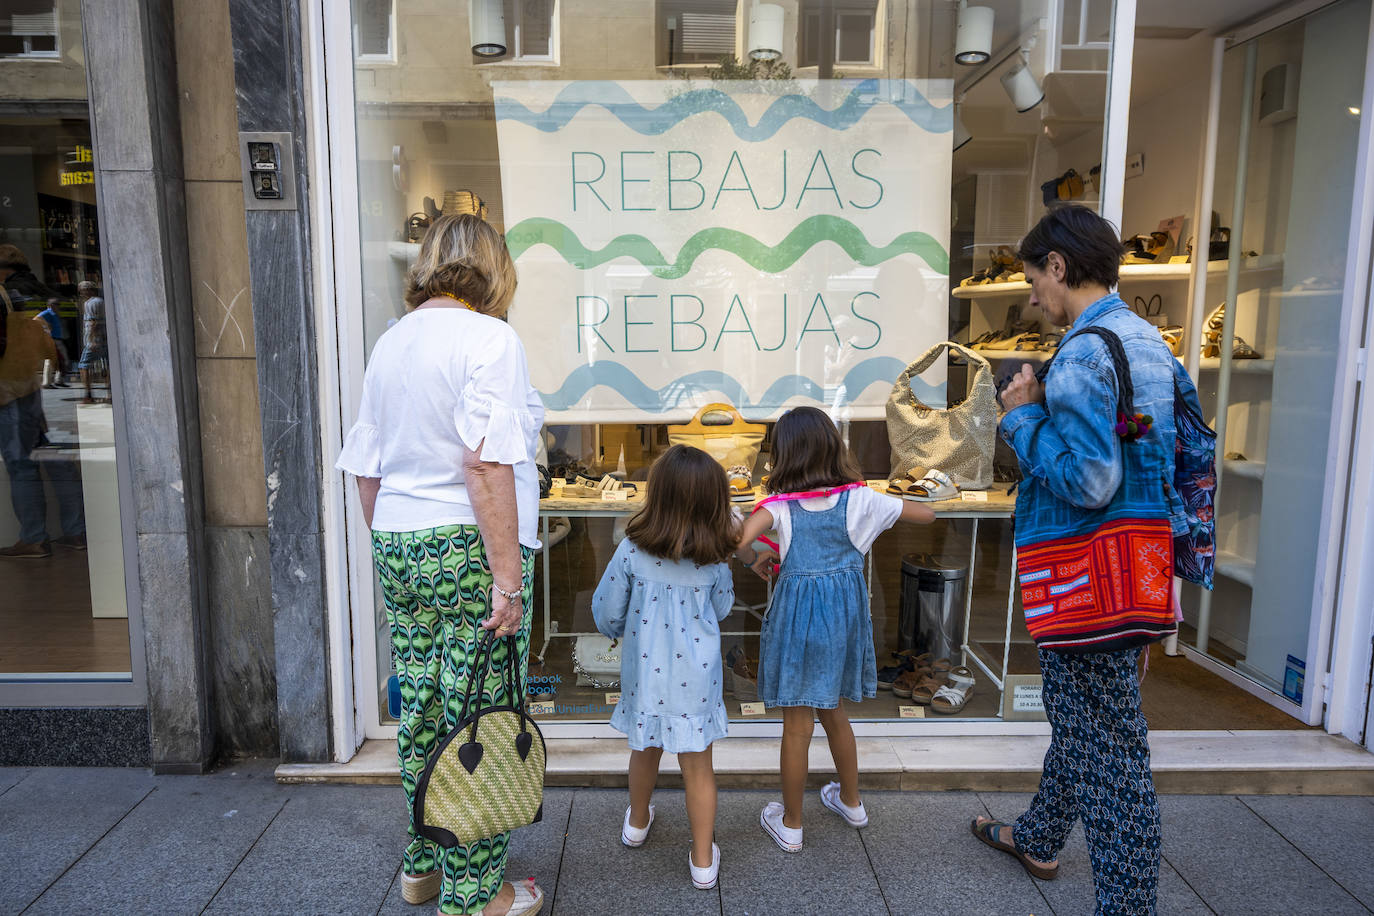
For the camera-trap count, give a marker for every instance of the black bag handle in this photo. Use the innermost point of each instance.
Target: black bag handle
(1125, 390)
(486, 646)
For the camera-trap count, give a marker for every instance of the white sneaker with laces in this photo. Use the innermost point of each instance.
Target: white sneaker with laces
(634, 837)
(830, 797)
(703, 879)
(789, 839)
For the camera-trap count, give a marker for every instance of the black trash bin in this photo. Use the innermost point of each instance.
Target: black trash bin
(932, 615)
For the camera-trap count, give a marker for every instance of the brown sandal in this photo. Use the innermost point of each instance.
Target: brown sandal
(988, 832)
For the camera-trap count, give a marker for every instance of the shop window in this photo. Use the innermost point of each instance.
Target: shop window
(28, 30)
(854, 39)
(373, 22)
(697, 31)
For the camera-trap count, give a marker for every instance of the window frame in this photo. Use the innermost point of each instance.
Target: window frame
(872, 16)
(516, 52)
(390, 56)
(28, 53)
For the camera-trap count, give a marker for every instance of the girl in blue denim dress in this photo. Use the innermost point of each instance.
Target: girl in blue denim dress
(664, 594)
(816, 648)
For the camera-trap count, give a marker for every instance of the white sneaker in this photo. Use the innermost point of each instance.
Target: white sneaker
(830, 797)
(703, 879)
(789, 839)
(634, 837)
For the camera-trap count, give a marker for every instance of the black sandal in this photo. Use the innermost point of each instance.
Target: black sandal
(988, 832)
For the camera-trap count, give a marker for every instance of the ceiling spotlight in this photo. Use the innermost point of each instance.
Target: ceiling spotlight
(973, 34)
(487, 23)
(765, 32)
(1354, 111)
(1021, 86)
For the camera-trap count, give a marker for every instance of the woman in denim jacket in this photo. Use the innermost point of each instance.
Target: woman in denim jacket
(1074, 464)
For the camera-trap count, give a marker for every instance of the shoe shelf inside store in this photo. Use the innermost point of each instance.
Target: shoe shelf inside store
(1255, 270)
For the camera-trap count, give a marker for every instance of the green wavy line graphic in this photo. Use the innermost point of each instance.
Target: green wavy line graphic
(826, 228)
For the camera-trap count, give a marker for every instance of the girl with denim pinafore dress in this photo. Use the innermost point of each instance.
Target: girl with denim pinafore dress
(664, 594)
(816, 648)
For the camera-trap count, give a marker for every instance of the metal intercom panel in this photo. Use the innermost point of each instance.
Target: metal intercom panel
(269, 173)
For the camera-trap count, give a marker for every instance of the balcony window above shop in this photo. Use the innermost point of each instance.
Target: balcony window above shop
(696, 31)
(28, 30)
(853, 35)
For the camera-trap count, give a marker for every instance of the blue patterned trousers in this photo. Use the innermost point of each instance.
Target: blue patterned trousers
(1098, 769)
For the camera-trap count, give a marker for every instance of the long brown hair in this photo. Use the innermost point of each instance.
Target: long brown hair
(808, 454)
(687, 515)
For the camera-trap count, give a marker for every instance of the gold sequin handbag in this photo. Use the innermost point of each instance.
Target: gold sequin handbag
(487, 777)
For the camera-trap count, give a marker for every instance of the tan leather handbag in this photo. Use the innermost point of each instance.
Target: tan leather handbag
(721, 432)
(958, 440)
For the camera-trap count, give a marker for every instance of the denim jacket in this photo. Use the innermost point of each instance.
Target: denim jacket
(1077, 472)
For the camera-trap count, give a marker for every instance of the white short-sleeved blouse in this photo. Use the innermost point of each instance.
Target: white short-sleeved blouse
(869, 515)
(438, 380)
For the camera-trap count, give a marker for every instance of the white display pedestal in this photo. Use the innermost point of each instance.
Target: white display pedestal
(100, 493)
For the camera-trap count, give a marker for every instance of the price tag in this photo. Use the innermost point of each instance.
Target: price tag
(541, 709)
(911, 712)
(974, 496)
(615, 496)
(1179, 259)
(751, 709)
(612, 699)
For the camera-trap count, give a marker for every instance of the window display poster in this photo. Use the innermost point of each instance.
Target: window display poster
(766, 243)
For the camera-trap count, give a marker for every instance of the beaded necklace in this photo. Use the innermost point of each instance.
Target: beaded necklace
(468, 305)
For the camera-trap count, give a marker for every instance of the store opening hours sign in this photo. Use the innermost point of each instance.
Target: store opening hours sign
(767, 244)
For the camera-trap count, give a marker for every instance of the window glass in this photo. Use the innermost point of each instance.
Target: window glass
(372, 27)
(648, 185)
(64, 615)
(28, 30)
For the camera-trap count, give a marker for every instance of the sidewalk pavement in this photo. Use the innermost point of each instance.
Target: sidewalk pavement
(236, 842)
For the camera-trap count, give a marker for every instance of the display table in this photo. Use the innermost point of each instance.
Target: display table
(998, 504)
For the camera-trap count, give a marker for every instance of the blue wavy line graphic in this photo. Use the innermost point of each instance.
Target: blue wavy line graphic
(682, 391)
(649, 122)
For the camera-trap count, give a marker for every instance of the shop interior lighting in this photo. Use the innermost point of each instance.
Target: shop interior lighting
(488, 26)
(765, 32)
(973, 34)
(1354, 111)
(1021, 85)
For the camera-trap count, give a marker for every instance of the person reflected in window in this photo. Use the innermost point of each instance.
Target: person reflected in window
(22, 428)
(50, 317)
(95, 351)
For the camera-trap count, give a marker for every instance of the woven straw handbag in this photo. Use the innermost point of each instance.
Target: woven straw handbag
(958, 440)
(487, 776)
(721, 432)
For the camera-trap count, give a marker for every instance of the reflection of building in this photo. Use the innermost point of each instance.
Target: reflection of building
(238, 336)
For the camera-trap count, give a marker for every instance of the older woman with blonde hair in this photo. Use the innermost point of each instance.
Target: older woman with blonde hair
(443, 452)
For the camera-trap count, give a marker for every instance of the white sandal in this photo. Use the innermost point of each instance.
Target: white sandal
(529, 899)
(933, 487)
(953, 697)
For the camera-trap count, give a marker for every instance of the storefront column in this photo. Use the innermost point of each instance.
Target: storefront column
(271, 97)
(131, 72)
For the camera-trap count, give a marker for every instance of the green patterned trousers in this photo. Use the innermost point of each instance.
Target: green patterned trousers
(437, 585)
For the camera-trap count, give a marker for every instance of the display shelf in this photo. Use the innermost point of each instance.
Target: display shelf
(989, 290)
(1235, 567)
(1239, 366)
(1251, 470)
(1251, 268)
(405, 252)
(1030, 356)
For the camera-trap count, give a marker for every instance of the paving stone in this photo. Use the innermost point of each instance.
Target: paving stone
(832, 873)
(1336, 833)
(12, 776)
(332, 849)
(52, 818)
(1073, 890)
(536, 852)
(196, 829)
(600, 875)
(927, 862)
(1239, 865)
